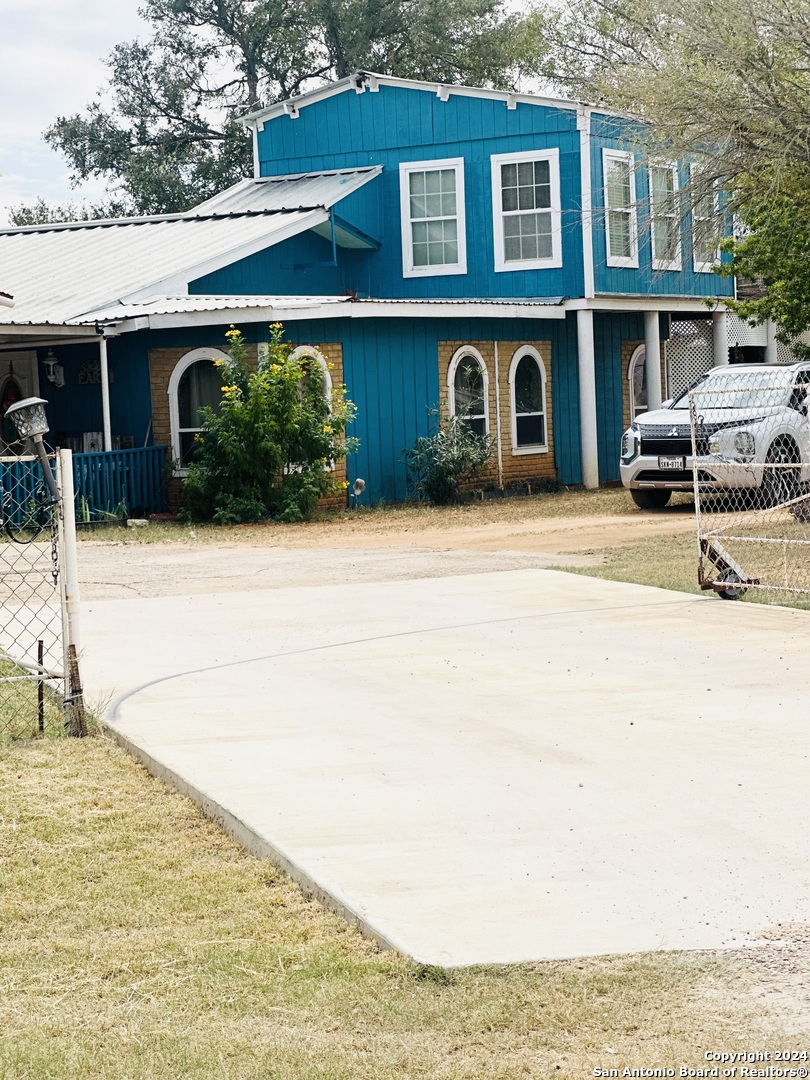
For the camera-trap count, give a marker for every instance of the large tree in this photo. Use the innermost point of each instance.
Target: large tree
(165, 132)
(727, 84)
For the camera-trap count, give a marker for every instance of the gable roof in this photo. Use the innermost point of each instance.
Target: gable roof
(361, 81)
(62, 273)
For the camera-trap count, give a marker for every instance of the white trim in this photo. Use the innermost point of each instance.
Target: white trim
(552, 156)
(639, 352)
(361, 80)
(179, 281)
(698, 305)
(498, 412)
(406, 221)
(183, 364)
(586, 368)
(455, 360)
(625, 157)
(533, 448)
(586, 199)
(676, 263)
(698, 265)
(314, 354)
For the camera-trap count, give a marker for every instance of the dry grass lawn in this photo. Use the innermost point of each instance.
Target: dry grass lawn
(138, 941)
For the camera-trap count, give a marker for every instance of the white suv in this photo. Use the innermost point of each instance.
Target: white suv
(751, 431)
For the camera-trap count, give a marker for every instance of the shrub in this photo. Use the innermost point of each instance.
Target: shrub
(439, 464)
(270, 448)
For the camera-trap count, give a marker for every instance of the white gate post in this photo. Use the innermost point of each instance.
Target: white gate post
(70, 588)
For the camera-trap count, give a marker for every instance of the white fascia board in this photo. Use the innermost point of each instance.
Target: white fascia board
(361, 79)
(46, 330)
(179, 282)
(340, 308)
(696, 304)
(450, 310)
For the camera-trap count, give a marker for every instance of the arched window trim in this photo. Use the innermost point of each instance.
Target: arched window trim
(638, 352)
(517, 356)
(181, 367)
(455, 360)
(314, 354)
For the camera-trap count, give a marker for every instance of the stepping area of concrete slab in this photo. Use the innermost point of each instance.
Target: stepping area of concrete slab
(498, 767)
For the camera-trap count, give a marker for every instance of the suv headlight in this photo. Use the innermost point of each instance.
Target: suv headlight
(745, 444)
(629, 449)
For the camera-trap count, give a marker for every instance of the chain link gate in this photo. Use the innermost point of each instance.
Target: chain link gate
(751, 459)
(40, 689)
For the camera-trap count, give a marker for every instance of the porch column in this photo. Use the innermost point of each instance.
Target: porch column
(587, 400)
(771, 355)
(720, 338)
(652, 362)
(105, 392)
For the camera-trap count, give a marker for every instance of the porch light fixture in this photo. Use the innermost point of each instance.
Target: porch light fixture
(54, 372)
(30, 421)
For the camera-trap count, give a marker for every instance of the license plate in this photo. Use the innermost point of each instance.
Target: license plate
(672, 463)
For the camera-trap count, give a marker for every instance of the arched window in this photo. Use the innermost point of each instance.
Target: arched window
(320, 360)
(527, 383)
(637, 379)
(467, 386)
(194, 383)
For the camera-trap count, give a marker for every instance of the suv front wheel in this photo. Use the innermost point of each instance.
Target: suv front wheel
(650, 498)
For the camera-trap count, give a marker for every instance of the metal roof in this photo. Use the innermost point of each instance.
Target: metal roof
(167, 311)
(297, 191)
(62, 273)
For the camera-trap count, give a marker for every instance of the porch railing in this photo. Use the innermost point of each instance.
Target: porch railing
(120, 483)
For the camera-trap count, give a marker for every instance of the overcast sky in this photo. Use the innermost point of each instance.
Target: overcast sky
(51, 64)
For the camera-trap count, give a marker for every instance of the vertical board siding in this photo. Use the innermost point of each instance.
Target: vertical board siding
(609, 333)
(395, 125)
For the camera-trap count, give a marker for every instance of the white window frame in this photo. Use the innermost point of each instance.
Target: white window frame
(676, 262)
(181, 367)
(455, 360)
(698, 265)
(621, 261)
(552, 156)
(443, 269)
(534, 448)
(639, 355)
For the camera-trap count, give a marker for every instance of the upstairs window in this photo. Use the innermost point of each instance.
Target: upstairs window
(705, 251)
(620, 208)
(527, 380)
(432, 209)
(665, 219)
(467, 389)
(526, 210)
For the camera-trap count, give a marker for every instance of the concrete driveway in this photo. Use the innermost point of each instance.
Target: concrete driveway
(492, 767)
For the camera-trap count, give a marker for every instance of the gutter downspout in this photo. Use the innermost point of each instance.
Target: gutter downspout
(105, 391)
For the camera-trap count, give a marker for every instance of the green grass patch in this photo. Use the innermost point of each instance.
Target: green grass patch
(138, 941)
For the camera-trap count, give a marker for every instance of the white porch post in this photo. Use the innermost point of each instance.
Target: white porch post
(652, 362)
(587, 399)
(105, 392)
(720, 338)
(771, 355)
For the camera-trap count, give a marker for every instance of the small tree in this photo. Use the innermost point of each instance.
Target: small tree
(270, 448)
(439, 464)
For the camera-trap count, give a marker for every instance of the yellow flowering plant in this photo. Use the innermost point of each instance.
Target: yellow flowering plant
(270, 448)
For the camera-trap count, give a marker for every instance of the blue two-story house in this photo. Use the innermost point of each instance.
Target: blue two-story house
(507, 255)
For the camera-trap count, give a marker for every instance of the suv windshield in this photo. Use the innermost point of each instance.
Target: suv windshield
(740, 389)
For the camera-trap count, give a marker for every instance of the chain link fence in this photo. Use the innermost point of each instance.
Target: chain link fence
(39, 683)
(751, 455)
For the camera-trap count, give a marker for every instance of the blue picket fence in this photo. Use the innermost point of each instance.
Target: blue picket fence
(120, 482)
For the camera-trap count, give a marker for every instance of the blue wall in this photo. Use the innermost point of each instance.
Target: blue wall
(609, 134)
(397, 124)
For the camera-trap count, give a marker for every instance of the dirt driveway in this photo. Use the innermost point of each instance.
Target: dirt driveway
(363, 548)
